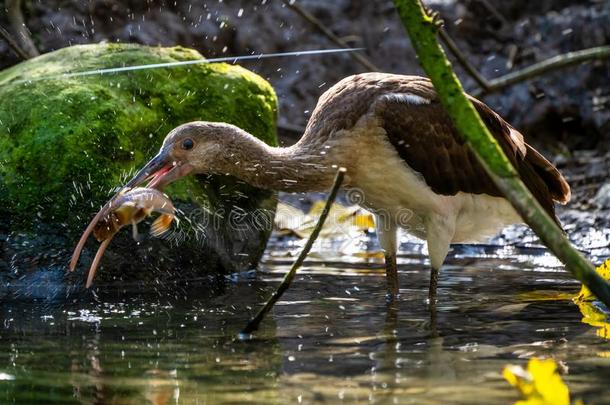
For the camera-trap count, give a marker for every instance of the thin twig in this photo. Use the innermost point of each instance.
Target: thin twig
(15, 17)
(363, 60)
(455, 50)
(555, 63)
(254, 323)
(495, 12)
(13, 44)
(471, 70)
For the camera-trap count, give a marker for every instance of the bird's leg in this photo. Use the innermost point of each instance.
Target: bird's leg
(439, 232)
(386, 232)
(391, 273)
(433, 284)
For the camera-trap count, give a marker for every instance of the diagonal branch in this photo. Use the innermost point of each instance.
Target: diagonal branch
(470, 69)
(423, 30)
(556, 62)
(254, 323)
(13, 44)
(548, 65)
(15, 17)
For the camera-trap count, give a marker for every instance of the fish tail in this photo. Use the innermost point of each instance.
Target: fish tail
(161, 225)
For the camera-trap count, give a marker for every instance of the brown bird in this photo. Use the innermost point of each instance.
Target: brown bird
(402, 154)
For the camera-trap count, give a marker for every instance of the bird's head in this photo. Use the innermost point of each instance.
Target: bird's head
(195, 147)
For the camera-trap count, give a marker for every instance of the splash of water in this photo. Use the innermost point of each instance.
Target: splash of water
(229, 59)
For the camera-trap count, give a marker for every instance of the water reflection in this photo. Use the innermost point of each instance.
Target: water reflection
(333, 337)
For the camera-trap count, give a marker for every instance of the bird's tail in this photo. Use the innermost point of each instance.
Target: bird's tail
(556, 183)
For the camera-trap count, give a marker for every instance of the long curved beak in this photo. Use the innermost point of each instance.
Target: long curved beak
(161, 171)
(156, 167)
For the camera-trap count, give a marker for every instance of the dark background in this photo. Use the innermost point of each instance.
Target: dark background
(562, 111)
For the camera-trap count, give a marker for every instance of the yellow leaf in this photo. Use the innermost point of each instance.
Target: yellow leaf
(540, 384)
(591, 315)
(585, 294)
(363, 221)
(342, 220)
(544, 295)
(370, 255)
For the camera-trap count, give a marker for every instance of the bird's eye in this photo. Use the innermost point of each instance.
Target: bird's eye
(187, 144)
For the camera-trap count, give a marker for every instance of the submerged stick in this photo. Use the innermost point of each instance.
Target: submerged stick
(422, 30)
(254, 323)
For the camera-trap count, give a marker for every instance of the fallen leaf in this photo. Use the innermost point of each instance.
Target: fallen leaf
(585, 294)
(540, 384)
(341, 221)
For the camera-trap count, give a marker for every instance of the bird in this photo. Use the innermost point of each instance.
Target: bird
(402, 154)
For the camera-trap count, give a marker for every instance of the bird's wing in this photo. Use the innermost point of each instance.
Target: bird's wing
(422, 133)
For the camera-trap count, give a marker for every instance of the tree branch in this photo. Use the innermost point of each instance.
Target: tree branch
(471, 70)
(15, 17)
(423, 30)
(363, 60)
(13, 44)
(537, 69)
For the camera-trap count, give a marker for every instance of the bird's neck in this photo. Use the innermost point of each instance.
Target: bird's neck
(298, 168)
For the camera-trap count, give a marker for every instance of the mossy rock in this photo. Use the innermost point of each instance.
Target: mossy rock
(67, 142)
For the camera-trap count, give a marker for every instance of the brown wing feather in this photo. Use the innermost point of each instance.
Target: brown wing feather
(425, 138)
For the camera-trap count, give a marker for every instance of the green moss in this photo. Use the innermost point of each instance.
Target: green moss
(65, 143)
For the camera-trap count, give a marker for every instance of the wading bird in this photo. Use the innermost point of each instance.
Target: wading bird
(401, 151)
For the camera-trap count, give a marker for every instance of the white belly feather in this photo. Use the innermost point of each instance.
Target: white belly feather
(388, 185)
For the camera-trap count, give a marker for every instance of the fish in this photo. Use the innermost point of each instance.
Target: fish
(128, 207)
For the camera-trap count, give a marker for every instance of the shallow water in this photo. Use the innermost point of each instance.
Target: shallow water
(332, 338)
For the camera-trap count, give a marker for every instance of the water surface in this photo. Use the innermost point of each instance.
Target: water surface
(331, 339)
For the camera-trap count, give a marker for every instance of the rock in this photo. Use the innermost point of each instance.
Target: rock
(602, 198)
(67, 143)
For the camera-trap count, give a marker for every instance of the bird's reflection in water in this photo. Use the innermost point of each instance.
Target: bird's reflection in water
(155, 387)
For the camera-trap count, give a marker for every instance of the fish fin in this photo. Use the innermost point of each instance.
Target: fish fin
(161, 225)
(124, 213)
(134, 231)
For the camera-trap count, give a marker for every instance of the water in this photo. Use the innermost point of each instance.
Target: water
(331, 339)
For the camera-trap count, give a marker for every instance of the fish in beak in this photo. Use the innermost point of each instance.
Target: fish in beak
(159, 172)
